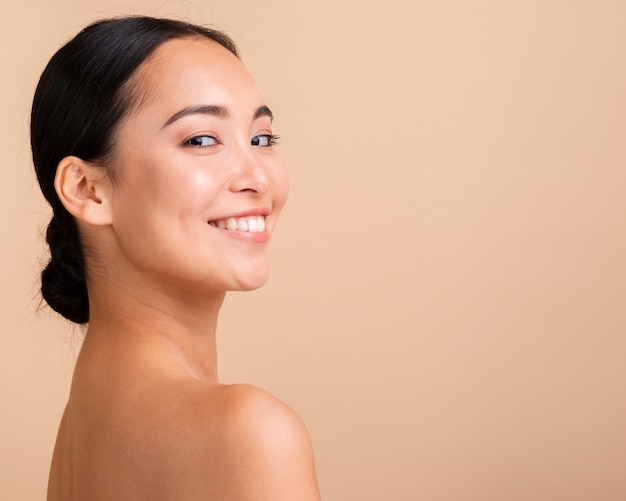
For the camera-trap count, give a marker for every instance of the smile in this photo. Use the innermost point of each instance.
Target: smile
(251, 224)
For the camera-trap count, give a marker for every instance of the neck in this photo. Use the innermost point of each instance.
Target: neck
(177, 326)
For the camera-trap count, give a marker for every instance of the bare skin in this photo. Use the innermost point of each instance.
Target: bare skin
(147, 417)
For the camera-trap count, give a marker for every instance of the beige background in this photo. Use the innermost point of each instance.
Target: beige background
(447, 309)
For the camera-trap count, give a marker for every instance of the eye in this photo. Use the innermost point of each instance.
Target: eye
(202, 141)
(265, 140)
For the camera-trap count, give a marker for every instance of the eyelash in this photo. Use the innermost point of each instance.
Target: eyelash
(192, 141)
(272, 140)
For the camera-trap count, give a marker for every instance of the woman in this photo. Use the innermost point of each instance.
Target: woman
(156, 153)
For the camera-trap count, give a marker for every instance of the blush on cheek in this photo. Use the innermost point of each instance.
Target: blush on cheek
(200, 182)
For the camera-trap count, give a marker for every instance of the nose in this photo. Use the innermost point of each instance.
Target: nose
(250, 173)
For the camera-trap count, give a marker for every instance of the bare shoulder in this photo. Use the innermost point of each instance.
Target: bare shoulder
(145, 433)
(253, 412)
(264, 447)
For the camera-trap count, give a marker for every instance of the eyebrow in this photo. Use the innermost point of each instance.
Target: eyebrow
(263, 111)
(216, 111)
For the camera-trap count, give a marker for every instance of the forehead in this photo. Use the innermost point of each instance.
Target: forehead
(191, 71)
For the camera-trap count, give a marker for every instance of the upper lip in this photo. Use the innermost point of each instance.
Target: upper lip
(258, 211)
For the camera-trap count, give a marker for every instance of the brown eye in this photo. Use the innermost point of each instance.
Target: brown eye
(202, 141)
(264, 140)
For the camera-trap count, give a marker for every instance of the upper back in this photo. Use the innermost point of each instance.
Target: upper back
(153, 432)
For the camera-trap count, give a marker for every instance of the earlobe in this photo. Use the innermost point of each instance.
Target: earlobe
(83, 191)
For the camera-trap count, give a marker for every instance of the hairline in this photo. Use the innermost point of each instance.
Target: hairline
(134, 93)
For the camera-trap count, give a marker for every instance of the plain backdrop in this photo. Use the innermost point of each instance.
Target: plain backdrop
(447, 310)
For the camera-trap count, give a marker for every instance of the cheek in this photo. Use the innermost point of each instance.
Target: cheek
(175, 188)
(200, 184)
(280, 184)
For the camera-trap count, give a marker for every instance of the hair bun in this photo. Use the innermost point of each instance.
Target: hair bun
(63, 283)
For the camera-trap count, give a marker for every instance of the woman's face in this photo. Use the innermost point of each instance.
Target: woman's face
(198, 183)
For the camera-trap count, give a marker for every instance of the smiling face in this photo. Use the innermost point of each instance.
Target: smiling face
(198, 183)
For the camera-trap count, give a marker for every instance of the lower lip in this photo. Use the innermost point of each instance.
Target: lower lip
(259, 237)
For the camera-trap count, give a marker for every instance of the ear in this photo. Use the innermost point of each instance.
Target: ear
(84, 191)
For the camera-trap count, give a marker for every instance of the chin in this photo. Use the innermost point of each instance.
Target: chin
(251, 280)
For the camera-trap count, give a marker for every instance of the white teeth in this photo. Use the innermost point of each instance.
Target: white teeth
(231, 224)
(254, 224)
